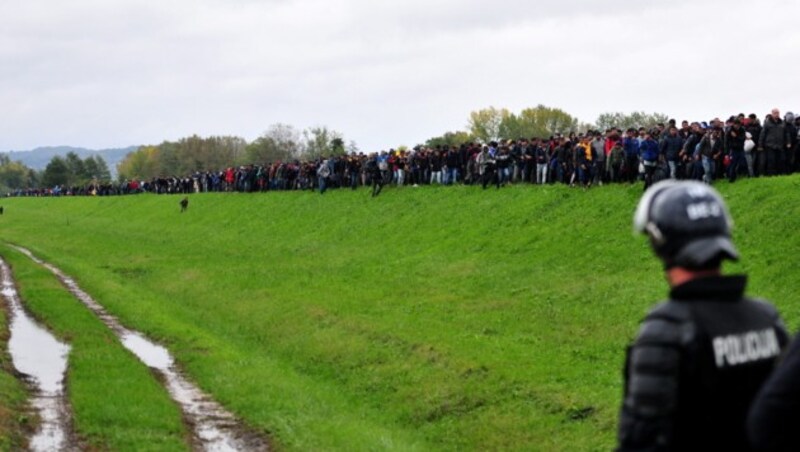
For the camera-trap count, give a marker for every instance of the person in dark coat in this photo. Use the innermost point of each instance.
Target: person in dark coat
(375, 174)
(775, 143)
(670, 147)
(734, 138)
(775, 412)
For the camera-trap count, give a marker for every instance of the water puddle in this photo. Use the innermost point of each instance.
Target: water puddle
(36, 353)
(215, 429)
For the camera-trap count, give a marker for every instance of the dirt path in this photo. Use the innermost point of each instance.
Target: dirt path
(213, 428)
(42, 358)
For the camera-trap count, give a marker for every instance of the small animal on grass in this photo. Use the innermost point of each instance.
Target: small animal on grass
(1, 210)
(184, 204)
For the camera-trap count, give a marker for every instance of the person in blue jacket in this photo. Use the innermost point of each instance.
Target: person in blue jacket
(671, 147)
(648, 150)
(631, 146)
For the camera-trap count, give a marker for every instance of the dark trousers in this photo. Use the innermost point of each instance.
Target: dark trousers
(770, 159)
(488, 175)
(649, 171)
(377, 185)
(632, 168)
(737, 161)
(782, 161)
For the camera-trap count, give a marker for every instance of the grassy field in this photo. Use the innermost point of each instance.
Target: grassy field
(428, 319)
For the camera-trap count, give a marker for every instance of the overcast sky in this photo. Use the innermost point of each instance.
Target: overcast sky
(100, 74)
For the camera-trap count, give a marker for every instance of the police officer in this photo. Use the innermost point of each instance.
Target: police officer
(701, 356)
(775, 413)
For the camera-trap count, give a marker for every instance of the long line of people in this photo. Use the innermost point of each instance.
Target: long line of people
(705, 151)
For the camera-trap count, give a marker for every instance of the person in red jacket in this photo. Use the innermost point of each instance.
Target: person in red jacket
(229, 179)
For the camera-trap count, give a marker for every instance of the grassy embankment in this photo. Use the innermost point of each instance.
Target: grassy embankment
(117, 402)
(431, 318)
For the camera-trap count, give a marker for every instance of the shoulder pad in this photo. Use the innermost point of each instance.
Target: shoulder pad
(668, 324)
(765, 306)
(770, 310)
(670, 311)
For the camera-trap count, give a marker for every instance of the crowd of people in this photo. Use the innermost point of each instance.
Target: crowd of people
(739, 146)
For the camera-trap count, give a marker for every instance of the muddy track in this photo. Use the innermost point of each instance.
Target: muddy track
(42, 361)
(213, 428)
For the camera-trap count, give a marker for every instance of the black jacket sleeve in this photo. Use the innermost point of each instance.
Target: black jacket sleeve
(775, 413)
(652, 373)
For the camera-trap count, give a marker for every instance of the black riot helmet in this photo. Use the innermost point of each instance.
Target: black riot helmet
(688, 224)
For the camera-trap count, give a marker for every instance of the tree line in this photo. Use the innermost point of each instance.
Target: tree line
(285, 142)
(69, 170)
(499, 124)
(280, 142)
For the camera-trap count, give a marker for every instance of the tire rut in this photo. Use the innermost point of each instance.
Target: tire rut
(213, 428)
(42, 360)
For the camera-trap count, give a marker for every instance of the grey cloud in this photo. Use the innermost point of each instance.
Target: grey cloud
(93, 72)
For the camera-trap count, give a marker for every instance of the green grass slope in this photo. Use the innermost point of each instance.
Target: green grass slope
(429, 319)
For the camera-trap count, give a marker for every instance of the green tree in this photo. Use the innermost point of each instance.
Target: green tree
(492, 124)
(103, 173)
(182, 157)
(626, 121)
(195, 153)
(279, 142)
(540, 121)
(322, 142)
(352, 147)
(15, 175)
(77, 170)
(337, 146)
(450, 139)
(95, 167)
(486, 124)
(33, 179)
(142, 164)
(511, 127)
(167, 159)
(57, 172)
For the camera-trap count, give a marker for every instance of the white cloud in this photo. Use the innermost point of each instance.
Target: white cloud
(102, 74)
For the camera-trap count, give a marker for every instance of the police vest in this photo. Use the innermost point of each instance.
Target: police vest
(695, 368)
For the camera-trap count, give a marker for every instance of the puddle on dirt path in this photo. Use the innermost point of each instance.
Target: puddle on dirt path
(215, 429)
(36, 353)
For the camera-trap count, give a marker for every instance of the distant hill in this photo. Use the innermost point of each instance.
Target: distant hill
(39, 158)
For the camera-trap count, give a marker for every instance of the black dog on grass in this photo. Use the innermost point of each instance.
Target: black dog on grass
(184, 204)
